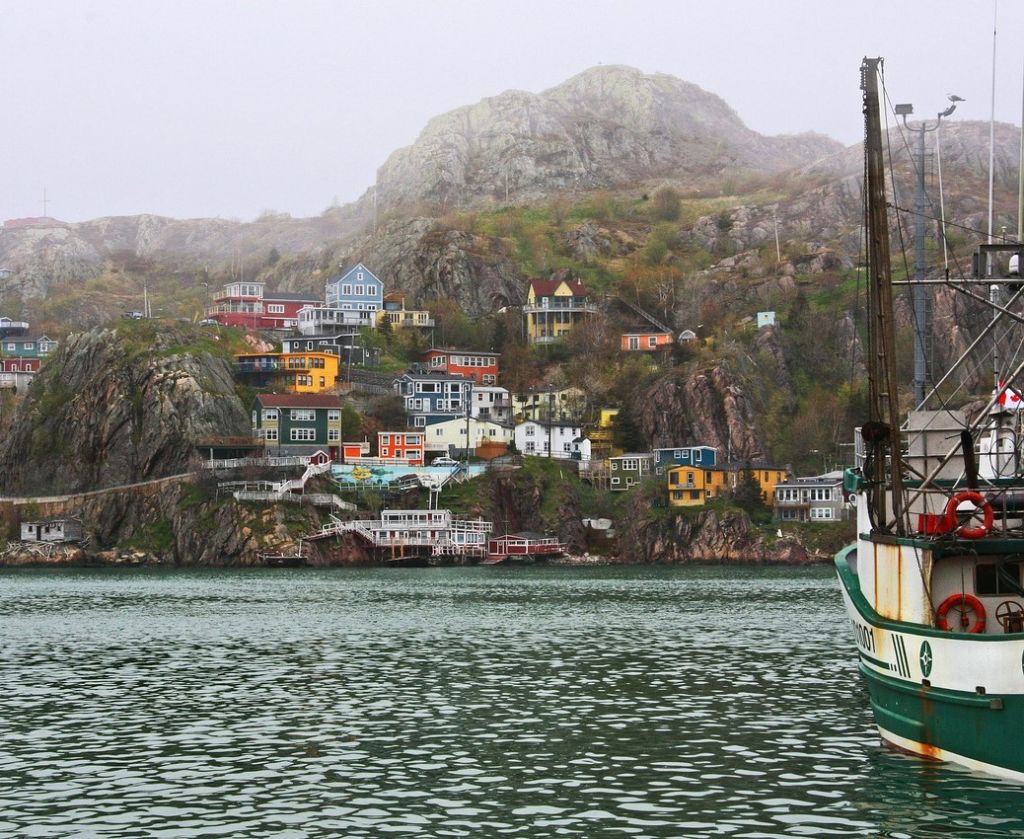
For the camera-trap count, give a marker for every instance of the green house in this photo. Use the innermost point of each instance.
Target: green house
(298, 423)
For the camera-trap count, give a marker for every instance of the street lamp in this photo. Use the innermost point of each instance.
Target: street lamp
(918, 293)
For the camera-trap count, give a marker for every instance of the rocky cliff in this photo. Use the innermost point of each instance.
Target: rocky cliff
(607, 127)
(120, 405)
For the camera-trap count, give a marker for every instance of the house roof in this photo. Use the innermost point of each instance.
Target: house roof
(290, 295)
(357, 266)
(547, 288)
(299, 400)
(450, 350)
(394, 297)
(683, 448)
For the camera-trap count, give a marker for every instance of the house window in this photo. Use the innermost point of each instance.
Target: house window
(275, 308)
(346, 289)
(333, 416)
(303, 434)
(333, 435)
(530, 447)
(302, 415)
(634, 343)
(269, 433)
(270, 415)
(360, 290)
(419, 422)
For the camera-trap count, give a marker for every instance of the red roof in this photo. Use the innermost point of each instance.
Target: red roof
(299, 400)
(453, 351)
(394, 296)
(547, 288)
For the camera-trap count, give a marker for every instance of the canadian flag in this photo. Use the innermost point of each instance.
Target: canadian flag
(1010, 399)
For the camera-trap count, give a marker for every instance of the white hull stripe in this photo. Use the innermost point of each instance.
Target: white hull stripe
(952, 757)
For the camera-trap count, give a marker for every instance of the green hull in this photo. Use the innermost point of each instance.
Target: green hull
(982, 730)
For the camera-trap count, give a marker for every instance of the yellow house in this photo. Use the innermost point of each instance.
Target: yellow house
(601, 435)
(691, 486)
(553, 308)
(395, 313)
(308, 372)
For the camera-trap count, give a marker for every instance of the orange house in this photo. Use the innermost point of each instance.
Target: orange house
(401, 445)
(646, 341)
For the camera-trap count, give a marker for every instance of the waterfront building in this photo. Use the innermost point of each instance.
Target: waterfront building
(298, 423)
(816, 498)
(693, 486)
(60, 529)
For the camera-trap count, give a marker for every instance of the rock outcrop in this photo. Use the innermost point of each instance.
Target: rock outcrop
(607, 127)
(120, 405)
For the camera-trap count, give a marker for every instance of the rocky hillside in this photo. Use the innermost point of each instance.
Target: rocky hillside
(608, 127)
(120, 405)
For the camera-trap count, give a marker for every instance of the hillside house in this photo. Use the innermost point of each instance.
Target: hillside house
(449, 437)
(766, 475)
(693, 486)
(554, 307)
(399, 317)
(602, 433)
(546, 439)
(565, 404)
(628, 470)
(27, 346)
(701, 456)
(346, 344)
(248, 305)
(405, 446)
(12, 327)
(52, 530)
(491, 403)
(433, 397)
(317, 319)
(481, 367)
(298, 423)
(300, 372)
(358, 290)
(817, 498)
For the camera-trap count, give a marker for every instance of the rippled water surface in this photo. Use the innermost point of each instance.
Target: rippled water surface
(646, 702)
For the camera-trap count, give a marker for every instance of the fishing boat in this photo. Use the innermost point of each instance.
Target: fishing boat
(933, 585)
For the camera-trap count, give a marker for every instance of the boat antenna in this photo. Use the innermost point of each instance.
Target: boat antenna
(882, 432)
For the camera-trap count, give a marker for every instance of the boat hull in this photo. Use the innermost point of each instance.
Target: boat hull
(941, 695)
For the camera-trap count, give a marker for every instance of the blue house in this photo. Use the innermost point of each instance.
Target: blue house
(357, 289)
(433, 397)
(665, 459)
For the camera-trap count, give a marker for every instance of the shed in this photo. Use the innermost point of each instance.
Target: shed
(52, 530)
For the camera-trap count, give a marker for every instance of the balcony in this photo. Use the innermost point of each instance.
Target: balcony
(560, 305)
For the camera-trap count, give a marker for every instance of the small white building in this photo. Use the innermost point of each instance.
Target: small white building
(542, 439)
(450, 435)
(52, 530)
(581, 449)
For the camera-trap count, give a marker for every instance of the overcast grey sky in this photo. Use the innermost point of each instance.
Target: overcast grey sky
(214, 108)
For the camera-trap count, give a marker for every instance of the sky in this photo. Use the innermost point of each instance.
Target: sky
(230, 108)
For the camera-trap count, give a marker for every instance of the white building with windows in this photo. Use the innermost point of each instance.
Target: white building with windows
(818, 498)
(542, 439)
(356, 290)
(490, 402)
(449, 437)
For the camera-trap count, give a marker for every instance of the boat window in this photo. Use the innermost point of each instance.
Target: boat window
(997, 579)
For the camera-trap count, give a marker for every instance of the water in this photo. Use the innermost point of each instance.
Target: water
(647, 702)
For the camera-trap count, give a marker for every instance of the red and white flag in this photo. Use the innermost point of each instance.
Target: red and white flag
(1010, 399)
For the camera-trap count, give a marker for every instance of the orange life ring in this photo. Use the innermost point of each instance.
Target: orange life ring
(965, 601)
(965, 532)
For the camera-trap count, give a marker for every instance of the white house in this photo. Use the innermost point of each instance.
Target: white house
(541, 439)
(52, 530)
(490, 402)
(450, 435)
(581, 449)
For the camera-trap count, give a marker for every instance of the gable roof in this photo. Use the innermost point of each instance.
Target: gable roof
(299, 400)
(453, 351)
(290, 295)
(547, 288)
(357, 267)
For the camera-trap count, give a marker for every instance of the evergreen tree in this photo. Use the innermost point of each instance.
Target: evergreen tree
(626, 433)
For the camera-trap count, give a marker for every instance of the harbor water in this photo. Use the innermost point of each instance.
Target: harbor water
(476, 702)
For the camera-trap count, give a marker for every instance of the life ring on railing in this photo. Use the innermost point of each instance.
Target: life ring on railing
(963, 603)
(979, 500)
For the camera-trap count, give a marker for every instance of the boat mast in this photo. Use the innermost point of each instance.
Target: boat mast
(882, 432)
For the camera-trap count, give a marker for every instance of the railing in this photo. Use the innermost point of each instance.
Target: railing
(561, 306)
(240, 462)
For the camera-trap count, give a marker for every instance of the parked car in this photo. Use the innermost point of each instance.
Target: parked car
(444, 460)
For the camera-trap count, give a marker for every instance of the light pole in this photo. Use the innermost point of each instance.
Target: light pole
(918, 294)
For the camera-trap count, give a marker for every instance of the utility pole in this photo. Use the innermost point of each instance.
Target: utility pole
(919, 296)
(45, 202)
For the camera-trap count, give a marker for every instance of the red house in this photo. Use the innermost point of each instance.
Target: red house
(20, 365)
(401, 445)
(482, 367)
(247, 305)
